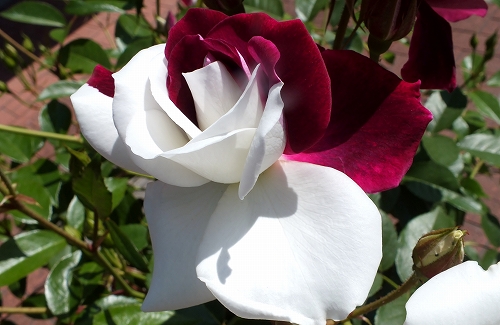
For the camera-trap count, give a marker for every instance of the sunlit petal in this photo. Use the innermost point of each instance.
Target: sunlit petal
(303, 246)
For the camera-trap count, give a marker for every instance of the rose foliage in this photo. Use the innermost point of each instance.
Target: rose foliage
(262, 149)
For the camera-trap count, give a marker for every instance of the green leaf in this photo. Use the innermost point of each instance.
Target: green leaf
(138, 235)
(434, 193)
(377, 285)
(484, 146)
(131, 27)
(125, 311)
(473, 187)
(487, 104)
(89, 186)
(117, 187)
(433, 173)
(82, 55)
(445, 108)
(132, 49)
(36, 13)
(40, 181)
(62, 88)
(82, 8)
(494, 81)
(393, 313)
(491, 228)
(306, 10)
(126, 247)
(58, 34)
(271, 7)
(76, 214)
(55, 117)
(60, 298)
(490, 257)
(389, 242)
(410, 235)
(19, 147)
(26, 252)
(442, 150)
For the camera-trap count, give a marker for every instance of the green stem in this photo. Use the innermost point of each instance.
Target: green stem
(23, 310)
(388, 280)
(7, 183)
(405, 287)
(69, 239)
(41, 134)
(341, 28)
(102, 260)
(21, 48)
(476, 169)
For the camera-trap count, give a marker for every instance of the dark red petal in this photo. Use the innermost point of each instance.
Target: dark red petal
(267, 54)
(196, 22)
(456, 10)
(102, 80)
(376, 125)
(430, 58)
(189, 55)
(306, 83)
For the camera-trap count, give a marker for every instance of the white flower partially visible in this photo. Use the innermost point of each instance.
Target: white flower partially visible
(462, 295)
(270, 239)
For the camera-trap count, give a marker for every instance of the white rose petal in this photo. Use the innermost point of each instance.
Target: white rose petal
(462, 295)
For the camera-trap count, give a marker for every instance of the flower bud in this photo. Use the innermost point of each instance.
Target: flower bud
(438, 251)
(388, 20)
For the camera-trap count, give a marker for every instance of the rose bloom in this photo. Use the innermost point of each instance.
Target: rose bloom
(263, 146)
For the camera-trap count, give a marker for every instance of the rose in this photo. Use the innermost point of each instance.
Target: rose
(231, 218)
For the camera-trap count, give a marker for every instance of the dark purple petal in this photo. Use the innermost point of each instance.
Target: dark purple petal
(195, 22)
(188, 55)
(300, 67)
(102, 80)
(376, 125)
(455, 10)
(265, 53)
(430, 58)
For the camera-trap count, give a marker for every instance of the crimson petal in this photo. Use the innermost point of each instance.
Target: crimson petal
(300, 67)
(195, 22)
(430, 58)
(376, 124)
(102, 80)
(453, 10)
(189, 55)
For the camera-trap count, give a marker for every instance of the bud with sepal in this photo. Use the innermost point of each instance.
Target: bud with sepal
(438, 251)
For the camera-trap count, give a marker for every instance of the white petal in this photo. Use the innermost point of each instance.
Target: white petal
(130, 86)
(214, 92)
(463, 295)
(158, 77)
(177, 218)
(144, 125)
(246, 113)
(95, 117)
(220, 152)
(268, 143)
(303, 246)
(220, 158)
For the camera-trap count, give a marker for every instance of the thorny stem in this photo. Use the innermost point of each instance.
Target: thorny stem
(41, 134)
(405, 287)
(25, 51)
(97, 255)
(341, 28)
